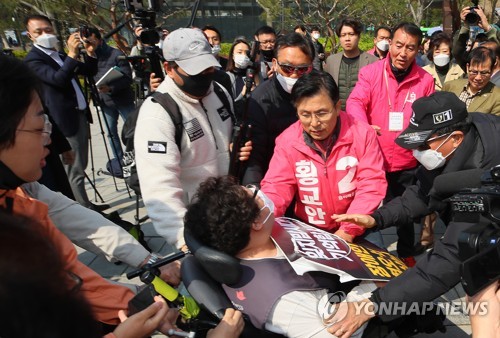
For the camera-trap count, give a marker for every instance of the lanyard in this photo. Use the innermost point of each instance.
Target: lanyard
(389, 95)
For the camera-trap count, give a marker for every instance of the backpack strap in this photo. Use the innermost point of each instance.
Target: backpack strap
(168, 103)
(221, 94)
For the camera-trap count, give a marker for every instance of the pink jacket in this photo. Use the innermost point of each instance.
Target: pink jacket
(369, 102)
(351, 181)
(371, 51)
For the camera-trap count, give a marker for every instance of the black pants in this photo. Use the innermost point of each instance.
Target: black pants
(397, 182)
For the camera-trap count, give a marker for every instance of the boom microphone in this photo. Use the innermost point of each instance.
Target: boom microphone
(131, 58)
(451, 183)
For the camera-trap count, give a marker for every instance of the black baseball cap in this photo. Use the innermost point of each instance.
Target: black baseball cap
(438, 110)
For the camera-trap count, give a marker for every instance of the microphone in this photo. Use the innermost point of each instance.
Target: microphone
(131, 58)
(451, 183)
(115, 30)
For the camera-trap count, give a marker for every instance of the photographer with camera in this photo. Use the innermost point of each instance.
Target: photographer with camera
(62, 94)
(445, 139)
(471, 16)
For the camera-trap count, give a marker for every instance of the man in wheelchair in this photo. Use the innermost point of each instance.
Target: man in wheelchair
(238, 221)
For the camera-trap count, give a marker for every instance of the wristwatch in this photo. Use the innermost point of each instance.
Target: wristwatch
(153, 258)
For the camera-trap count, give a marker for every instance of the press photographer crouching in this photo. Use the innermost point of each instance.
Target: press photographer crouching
(445, 140)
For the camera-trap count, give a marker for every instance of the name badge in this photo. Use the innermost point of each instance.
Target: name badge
(396, 121)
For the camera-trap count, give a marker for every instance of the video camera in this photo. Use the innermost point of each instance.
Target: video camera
(473, 18)
(479, 245)
(149, 37)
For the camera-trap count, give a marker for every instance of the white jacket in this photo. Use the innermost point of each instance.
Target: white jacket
(168, 179)
(88, 229)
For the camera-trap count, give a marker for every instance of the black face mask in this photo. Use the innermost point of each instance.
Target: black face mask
(195, 85)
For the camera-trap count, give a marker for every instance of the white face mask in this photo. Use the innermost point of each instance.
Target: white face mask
(383, 45)
(241, 61)
(216, 50)
(286, 83)
(268, 203)
(47, 41)
(315, 36)
(432, 159)
(441, 60)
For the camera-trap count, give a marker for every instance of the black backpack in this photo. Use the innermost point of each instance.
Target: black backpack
(128, 131)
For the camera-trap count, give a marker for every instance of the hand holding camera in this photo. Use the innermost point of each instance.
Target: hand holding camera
(79, 38)
(474, 16)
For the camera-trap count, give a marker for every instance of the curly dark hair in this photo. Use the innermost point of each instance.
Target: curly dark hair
(221, 215)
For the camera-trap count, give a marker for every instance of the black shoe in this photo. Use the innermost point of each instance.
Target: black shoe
(98, 207)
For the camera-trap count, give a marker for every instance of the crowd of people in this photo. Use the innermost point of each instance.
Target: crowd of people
(350, 143)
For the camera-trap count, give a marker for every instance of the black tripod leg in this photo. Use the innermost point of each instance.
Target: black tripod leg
(94, 187)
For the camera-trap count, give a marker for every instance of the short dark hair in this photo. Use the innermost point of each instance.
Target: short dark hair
(387, 28)
(314, 28)
(301, 27)
(230, 62)
(36, 17)
(480, 55)
(221, 214)
(212, 28)
(95, 31)
(18, 85)
(349, 22)
(294, 40)
(311, 84)
(408, 28)
(265, 30)
(436, 41)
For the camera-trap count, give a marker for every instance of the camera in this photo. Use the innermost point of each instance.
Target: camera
(83, 31)
(472, 18)
(146, 18)
(149, 36)
(479, 245)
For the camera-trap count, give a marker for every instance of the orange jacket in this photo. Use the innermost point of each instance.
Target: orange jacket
(105, 298)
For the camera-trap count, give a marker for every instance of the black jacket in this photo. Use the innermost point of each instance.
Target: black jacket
(121, 90)
(270, 112)
(58, 94)
(438, 271)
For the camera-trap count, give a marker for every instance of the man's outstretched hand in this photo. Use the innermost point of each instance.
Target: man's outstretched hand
(365, 221)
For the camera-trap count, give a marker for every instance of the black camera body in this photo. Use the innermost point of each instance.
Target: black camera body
(473, 18)
(146, 17)
(479, 245)
(149, 35)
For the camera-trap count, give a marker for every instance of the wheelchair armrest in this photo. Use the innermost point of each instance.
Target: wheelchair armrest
(222, 267)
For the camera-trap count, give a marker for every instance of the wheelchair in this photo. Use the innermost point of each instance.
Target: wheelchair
(204, 269)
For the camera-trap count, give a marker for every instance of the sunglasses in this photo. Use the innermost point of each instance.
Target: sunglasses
(300, 70)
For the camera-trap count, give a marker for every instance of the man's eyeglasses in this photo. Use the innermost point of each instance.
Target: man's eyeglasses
(483, 73)
(46, 131)
(426, 145)
(267, 42)
(320, 116)
(267, 203)
(290, 69)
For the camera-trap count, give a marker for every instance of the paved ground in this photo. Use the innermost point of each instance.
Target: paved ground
(118, 197)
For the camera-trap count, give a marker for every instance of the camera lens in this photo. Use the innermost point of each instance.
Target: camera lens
(472, 18)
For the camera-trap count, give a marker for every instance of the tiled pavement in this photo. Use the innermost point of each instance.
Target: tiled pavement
(458, 326)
